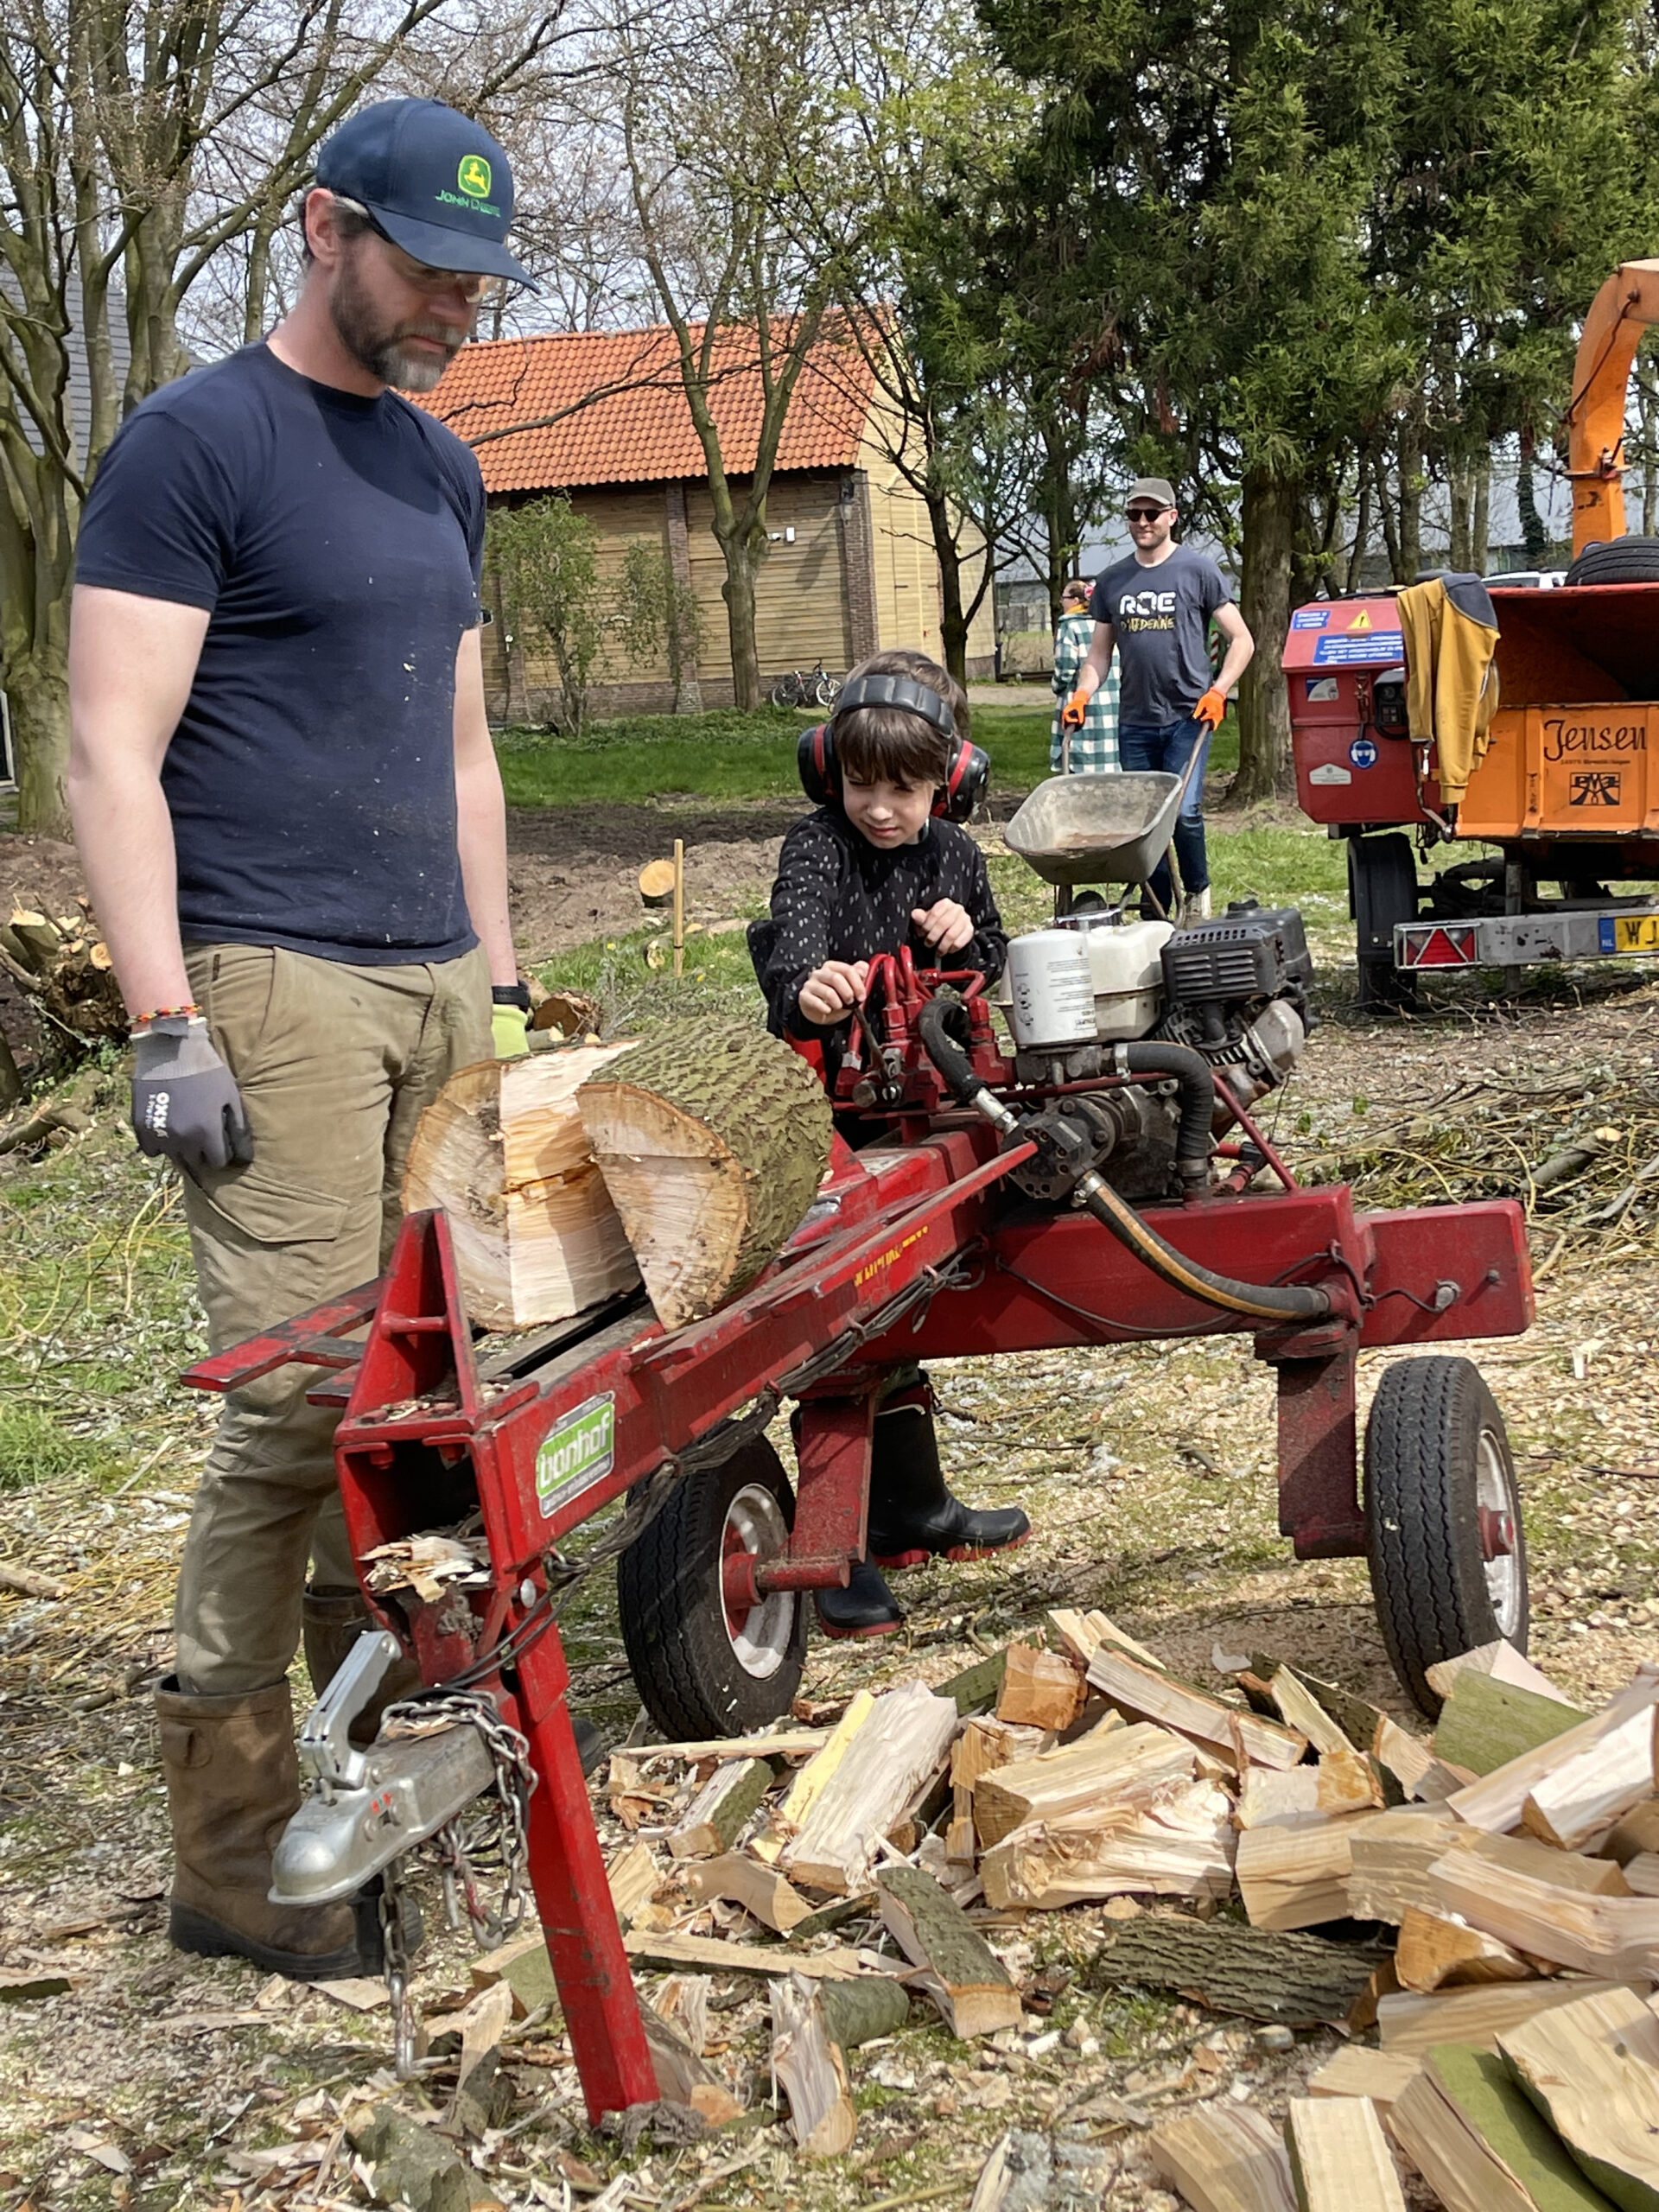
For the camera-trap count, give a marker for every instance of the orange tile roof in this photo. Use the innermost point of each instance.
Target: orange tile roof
(620, 412)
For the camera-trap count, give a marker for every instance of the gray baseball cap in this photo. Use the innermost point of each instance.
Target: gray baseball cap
(1152, 488)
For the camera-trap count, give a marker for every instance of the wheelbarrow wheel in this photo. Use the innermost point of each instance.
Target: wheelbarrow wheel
(703, 1667)
(1448, 1553)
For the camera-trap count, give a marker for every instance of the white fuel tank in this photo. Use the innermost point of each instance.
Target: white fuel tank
(1050, 991)
(1126, 973)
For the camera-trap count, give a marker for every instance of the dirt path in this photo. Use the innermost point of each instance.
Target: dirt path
(141, 2080)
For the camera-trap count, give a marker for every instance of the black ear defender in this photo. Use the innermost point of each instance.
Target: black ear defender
(968, 770)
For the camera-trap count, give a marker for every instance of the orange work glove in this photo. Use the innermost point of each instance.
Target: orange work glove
(1074, 712)
(1210, 708)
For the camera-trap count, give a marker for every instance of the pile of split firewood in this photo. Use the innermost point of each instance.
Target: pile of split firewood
(1516, 1858)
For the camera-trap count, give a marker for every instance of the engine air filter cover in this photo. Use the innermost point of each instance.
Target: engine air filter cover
(1249, 952)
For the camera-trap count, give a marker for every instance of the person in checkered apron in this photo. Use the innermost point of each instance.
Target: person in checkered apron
(1092, 750)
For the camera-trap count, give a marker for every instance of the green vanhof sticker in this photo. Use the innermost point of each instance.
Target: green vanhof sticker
(579, 1451)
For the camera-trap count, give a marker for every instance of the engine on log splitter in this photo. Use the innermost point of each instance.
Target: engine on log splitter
(1097, 1184)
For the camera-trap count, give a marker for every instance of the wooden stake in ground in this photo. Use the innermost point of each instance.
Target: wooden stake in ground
(1593, 2071)
(960, 1970)
(679, 906)
(808, 2062)
(712, 1139)
(1478, 2143)
(1224, 2160)
(502, 1149)
(1339, 2159)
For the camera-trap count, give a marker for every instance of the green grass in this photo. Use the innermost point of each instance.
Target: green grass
(729, 756)
(1280, 867)
(98, 1311)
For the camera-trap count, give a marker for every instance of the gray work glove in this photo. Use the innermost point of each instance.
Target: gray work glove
(185, 1102)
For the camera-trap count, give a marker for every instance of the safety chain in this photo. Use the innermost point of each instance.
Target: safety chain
(499, 1831)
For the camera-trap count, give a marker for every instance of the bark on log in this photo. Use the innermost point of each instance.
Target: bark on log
(857, 2012)
(1295, 1981)
(713, 1141)
(502, 1149)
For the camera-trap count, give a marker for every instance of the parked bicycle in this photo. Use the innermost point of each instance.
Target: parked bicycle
(808, 688)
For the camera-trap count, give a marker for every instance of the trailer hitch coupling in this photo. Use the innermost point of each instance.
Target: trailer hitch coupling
(366, 1808)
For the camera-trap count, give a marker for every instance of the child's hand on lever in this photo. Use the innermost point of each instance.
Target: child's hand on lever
(830, 993)
(947, 926)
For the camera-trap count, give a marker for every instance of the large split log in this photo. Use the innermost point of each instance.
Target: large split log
(1225, 2159)
(809, 2064)
(905, 1739)
(1180, 1846)
(1593, 2071)
(956, 1966)
(1496, 1800)
(1408, 2026)
(1109, 1767)
(1339, 2160)
(1478, 2143)
(503, 1151)
(1612, 1936)
(712, 1139)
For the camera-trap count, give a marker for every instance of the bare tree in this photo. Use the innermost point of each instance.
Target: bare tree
(706, 119)
(895, 198)
(148, 148)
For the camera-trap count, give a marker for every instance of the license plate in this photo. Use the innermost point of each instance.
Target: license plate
(1629, 933)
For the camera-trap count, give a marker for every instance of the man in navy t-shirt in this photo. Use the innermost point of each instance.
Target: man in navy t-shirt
(1156, 608)
(291, 816)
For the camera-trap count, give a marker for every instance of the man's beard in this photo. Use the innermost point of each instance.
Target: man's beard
(385, 352)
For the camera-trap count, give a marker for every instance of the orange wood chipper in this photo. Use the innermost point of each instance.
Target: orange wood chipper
(1563, 791)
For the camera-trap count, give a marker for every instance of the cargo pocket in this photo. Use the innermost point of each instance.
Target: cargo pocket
(268, 1209)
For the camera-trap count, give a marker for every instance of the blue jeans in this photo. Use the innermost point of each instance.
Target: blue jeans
(1169, 747)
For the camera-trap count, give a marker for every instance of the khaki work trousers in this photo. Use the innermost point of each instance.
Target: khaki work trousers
(335, 1064)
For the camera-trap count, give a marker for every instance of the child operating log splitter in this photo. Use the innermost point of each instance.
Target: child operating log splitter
(882, 863)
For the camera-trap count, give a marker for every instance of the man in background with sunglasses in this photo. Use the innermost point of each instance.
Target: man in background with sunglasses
(291, 816)
(1155, 609)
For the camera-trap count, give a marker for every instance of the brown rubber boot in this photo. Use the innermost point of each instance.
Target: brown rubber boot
(332, 1620)
(233, 1781)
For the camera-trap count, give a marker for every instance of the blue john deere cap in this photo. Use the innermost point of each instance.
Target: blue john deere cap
(437, 183)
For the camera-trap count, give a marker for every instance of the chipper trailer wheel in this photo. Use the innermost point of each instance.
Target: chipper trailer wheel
(703, 1667)
(1448, 1553)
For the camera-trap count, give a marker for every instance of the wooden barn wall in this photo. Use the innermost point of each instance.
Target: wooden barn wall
(801, 598)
